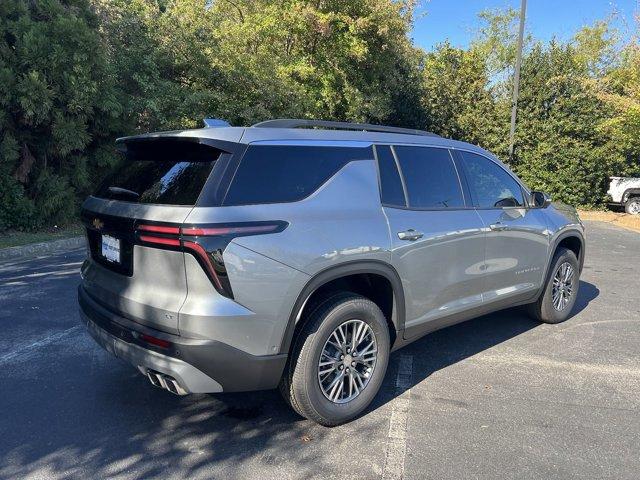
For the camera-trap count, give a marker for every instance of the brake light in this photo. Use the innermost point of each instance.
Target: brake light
(205, 241)
(201, 253)
(230, 230)
(159, 229)
(173, 242)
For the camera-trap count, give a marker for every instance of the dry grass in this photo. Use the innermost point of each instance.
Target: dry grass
(632, 222)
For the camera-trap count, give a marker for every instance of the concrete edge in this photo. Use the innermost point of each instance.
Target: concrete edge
(36, 249)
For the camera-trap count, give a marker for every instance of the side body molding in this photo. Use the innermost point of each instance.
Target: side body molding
(343, 270)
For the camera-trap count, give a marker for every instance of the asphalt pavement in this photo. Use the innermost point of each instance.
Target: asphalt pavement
(500, 396)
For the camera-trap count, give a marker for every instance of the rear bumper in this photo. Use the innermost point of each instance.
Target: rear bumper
(197, 365)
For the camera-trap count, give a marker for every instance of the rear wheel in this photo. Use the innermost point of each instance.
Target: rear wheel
(561, 290)
(632, 206)
(339, 360)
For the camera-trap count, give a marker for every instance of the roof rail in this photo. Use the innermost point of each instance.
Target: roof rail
(367, 127)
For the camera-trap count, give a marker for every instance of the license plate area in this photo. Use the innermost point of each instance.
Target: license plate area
(113, 251)
(110, 249)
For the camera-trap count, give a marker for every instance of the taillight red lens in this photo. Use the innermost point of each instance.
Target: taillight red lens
(211, 231)
(159, 229)
(202, 254)
(172, 242)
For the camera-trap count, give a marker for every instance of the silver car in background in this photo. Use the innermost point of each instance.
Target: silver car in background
(298, 254)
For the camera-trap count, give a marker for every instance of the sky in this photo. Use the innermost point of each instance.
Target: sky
(456, 20)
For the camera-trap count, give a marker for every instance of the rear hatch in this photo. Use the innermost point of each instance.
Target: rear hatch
(155, 188)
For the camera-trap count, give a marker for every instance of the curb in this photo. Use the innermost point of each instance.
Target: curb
(36, 249)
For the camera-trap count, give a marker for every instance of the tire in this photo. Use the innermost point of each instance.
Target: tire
(545, 309)
(301, 383)
(632, 206)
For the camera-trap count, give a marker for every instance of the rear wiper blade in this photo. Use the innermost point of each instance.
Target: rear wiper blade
(123, 191)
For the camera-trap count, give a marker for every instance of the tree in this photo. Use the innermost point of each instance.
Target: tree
(59, 109)
(458, 98)
(560, 144)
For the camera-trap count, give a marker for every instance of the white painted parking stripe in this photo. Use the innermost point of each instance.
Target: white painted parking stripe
(397, 437)
(40, 343)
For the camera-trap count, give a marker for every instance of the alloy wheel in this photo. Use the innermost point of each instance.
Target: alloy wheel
(563, 286)
(347, 361)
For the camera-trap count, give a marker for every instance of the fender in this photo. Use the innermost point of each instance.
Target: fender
(628, 193)
(343, 270)
(552, 249)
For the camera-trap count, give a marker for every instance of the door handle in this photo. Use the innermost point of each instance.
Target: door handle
(498, 227)
(410, 235)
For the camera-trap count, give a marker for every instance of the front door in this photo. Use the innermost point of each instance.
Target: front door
(517, 241)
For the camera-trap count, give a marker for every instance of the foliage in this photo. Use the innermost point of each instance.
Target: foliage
(458, 100)
(75, 74)
(560, 145)
(58, 108)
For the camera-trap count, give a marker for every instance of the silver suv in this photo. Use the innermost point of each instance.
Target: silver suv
(231, 259)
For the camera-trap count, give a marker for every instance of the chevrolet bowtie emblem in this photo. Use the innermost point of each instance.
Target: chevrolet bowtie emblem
(98, 223)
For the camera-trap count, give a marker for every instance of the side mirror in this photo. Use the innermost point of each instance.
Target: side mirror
(540, 199)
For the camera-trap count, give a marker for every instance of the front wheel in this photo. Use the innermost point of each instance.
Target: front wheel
(560, 292)
(632, 206)
(339, 360)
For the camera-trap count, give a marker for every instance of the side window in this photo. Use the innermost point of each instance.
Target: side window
(430, 177)
(390, 183)
(491, 186)
(281, 173)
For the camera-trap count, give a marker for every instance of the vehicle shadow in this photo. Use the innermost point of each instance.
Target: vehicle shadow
(448, 346)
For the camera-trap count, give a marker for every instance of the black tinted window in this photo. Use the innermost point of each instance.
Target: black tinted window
(491, 186)
(161, 172)
(278, 173)
(390, 183)
(430, 177)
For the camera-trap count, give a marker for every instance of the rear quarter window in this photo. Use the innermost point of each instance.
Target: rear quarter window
(285, 173)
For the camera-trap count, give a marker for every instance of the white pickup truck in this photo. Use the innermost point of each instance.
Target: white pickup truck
(625, 191)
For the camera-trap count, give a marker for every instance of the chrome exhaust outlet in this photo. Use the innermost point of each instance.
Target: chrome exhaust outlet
(154, 379)
(166, 382)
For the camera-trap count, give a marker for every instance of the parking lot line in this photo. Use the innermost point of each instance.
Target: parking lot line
(397, 437)
(35, 345)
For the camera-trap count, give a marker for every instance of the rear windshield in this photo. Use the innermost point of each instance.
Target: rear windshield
(166, 172)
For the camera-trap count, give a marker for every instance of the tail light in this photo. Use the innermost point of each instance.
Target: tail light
(205, 242)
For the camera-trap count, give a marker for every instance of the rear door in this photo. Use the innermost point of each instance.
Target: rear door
(437, 239)
(517, 241)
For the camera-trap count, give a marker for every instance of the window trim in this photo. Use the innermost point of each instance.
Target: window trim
(523, 191)
(403, 182)
(465, 196)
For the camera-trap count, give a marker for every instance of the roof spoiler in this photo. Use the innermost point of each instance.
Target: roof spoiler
(215, 123)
